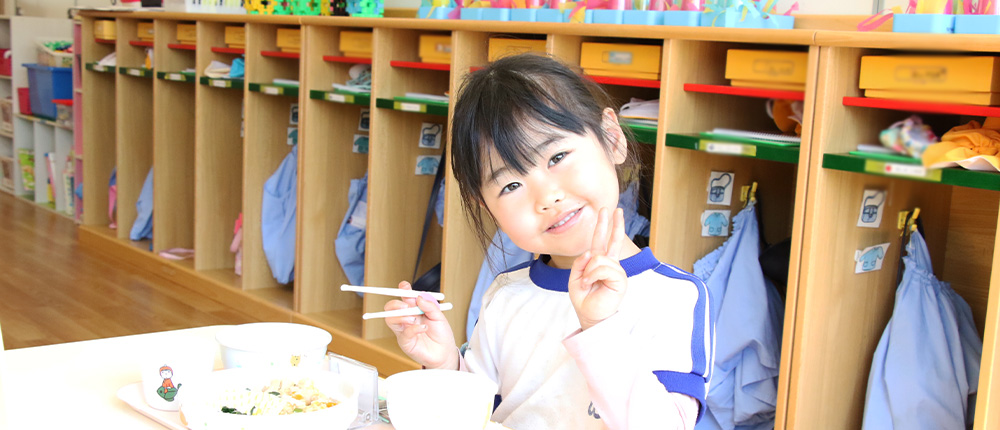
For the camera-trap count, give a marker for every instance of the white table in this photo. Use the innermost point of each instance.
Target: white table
(75, 385)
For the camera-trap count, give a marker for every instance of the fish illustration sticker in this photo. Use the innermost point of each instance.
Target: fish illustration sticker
(167, 389)
(720, 188)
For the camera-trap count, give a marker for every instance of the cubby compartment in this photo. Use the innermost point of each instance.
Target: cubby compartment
(176, 60)
(173, 143)
(98, 113)
(958, 209)
(218, 161)
(405, 74)
(133, 47)
(277, 71)
(338, 52)
(134, 115)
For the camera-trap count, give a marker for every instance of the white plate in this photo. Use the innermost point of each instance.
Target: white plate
(132, 395)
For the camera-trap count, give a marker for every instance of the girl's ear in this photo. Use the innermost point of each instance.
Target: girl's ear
(613, 131)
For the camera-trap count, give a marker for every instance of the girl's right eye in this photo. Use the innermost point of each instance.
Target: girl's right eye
(510, 187)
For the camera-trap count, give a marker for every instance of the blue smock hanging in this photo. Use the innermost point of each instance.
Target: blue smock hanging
(350, 242)
(925, 371)
(748, 315)
(142, 228)
(277, 223)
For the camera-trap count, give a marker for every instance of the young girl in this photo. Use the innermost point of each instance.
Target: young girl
(596, 333)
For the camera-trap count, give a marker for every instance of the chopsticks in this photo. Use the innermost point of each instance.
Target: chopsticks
(395, 292)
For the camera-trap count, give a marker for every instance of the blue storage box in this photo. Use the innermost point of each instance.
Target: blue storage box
(549, 15)
(686, 18)
(495, 14)
(523, 14)
(923, 23)
(736, 20)
(429, 12)
(471, 13)
(46, 84)
(607, 16)
(977, 24)
(643, 17)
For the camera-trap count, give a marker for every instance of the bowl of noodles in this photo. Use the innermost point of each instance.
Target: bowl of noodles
(271, 398)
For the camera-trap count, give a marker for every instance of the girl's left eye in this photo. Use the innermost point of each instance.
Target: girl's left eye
(557, 158)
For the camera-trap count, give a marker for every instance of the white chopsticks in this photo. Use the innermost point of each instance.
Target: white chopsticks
(401, 312)
(395, 292)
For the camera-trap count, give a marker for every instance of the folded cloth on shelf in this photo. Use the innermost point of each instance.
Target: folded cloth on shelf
(278, 218)
(640, 109)
(217, 69)
(925, 371)
(748, 313)
(109, 60)
(972, 146)
(286, 82)
(350, 242)
(909, 137)
(142, 228)
(237, 69)
(428, 97)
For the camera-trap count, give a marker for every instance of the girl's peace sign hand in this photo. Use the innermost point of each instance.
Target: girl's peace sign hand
(597, 281)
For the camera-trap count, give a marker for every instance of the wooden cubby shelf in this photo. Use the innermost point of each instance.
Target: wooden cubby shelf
(141, 43)
(626, 82)
(341, 97)
(274, 90)
(761, 93)
(182, 47)
(176, 76)
(428, 107)
(789, 154)
(922, 107)
(221, 82)
(138, 72)
(227, 50)
(347, 60)
(280, 54)
(916, 172)
(419, 65)
(94, 67)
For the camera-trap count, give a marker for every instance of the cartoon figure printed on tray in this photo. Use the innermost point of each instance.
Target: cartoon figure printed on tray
(167, 390)
(596, 332)
(718, 187)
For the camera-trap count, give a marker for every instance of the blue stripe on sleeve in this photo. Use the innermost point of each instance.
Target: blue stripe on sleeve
(684, 383)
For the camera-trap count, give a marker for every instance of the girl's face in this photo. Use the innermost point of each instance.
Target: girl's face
(553, 208)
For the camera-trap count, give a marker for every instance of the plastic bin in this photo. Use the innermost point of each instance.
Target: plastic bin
(51, 58)
(46, 84)
(24, 101)
(5, 62)
(7, 115)
(64, 112)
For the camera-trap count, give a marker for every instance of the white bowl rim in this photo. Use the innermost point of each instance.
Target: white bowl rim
(247, 337)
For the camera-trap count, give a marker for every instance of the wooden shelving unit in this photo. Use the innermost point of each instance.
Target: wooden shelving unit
(833, 318)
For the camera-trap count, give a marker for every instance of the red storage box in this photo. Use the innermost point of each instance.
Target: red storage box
(5, 62)
(24, 100)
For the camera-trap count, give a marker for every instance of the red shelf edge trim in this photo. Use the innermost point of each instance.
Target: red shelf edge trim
(351, 60)
(746, 92)
(926, 107)
(279, 54)
(225, 50)
(107, 41)
(626, 82)
(140, 43)
(419, 65)
(182, 46)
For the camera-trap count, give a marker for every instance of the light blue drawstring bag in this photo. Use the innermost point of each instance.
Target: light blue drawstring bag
(142, 228)
(350, 242)
(748, 314)
(277, 215)
(925, 372)
(237, 69)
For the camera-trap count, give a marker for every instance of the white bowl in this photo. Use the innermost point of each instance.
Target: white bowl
(202, 409)
(439, 400)
(273, 344)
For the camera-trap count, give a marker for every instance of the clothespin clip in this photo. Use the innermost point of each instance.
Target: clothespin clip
(748, 194)
(911, 225)
(901, 222)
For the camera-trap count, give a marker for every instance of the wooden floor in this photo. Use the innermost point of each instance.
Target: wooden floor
(52, 291)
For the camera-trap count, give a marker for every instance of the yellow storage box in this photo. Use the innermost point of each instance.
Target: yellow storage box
(767, 69)
(621, 60)
(500, 47)
(144, 30)
(289, 39)
(105, 29)
(356, 44)
(187, 34)
(236, 36)
(930, 73)
(435, 49)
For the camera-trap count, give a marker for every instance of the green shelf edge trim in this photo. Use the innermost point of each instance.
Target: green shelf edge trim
(762, 152)
(281, 90)
(169, 76)
(643, 134)
(949, 176)
(93, 67)
(231, 83)
(356, 99)
(423, 108)
(143, 73)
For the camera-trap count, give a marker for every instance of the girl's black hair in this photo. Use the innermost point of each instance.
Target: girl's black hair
(512, 104)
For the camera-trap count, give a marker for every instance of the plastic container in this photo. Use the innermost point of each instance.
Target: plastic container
(5, 62)
(24, 101)
(64, 112)
(47, 84)
(7, 115)
(51, 58)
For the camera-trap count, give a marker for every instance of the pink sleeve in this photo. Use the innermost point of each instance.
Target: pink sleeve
(625, 392)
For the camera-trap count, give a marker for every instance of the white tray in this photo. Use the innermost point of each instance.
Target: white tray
(132, 395)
